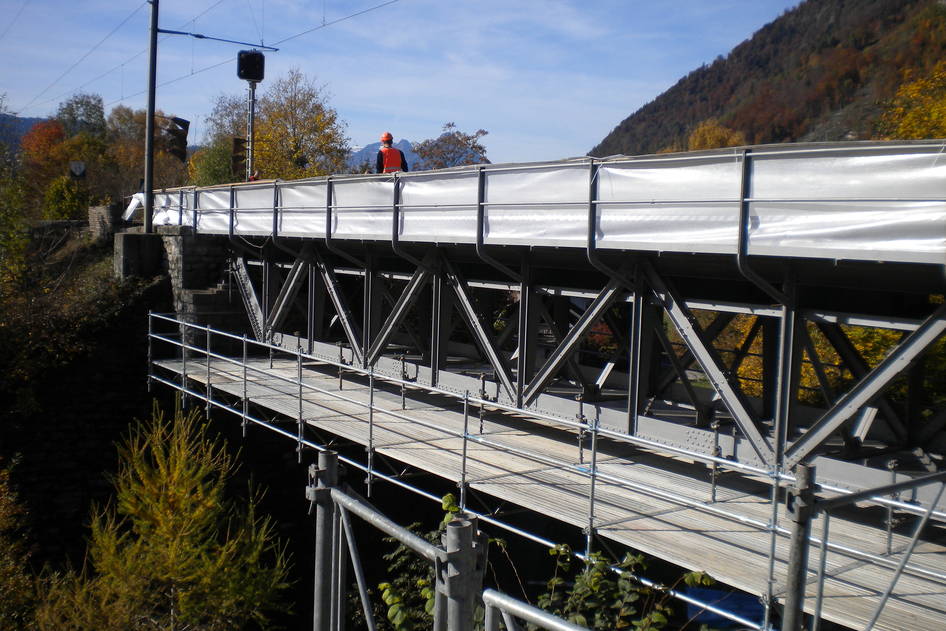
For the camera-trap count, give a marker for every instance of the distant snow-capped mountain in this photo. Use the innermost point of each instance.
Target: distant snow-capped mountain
(368, 154)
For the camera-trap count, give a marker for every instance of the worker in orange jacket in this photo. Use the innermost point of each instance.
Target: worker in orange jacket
(390, 159)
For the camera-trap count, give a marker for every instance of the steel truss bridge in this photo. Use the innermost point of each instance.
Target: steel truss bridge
(663, 351)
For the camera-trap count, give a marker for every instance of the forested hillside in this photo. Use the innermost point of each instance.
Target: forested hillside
(826, 70)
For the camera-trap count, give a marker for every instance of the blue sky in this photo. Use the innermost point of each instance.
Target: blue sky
(547, 79)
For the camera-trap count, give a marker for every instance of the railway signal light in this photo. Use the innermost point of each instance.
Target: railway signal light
(177, 138)
(250, 65)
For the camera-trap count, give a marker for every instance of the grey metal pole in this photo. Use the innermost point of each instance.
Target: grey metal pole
(327, 474)
(359, 572)
(802, 512)
(461, 563)
(149, 122)
(250, 124)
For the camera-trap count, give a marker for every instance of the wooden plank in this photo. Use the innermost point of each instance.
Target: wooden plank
(734, 552)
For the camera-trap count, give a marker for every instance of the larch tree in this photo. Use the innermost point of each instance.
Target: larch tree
(710, 134)
(173, 552)
(918, 110)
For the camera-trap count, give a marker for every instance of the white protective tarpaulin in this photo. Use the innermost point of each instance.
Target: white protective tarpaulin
(881, 201)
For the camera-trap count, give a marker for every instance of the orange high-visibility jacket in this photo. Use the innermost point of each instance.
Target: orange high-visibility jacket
(391, 160)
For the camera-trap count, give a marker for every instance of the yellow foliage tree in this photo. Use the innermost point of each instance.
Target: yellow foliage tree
(173, 551)
(710, 134)
(919, 108)
(297, 133)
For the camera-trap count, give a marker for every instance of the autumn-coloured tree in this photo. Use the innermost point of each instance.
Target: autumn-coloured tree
(173, 552)
(65, 198)
(298, 134)
(710, 134)
(37, 149)
(451, 148)
(919, 108)
(125, 135)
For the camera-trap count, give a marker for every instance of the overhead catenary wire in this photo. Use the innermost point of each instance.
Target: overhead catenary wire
(15, 18)
(341, 19)
(83, 57)
(122, 65)
(231, 59)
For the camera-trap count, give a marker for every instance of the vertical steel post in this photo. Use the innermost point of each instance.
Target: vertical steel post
(714, 468)
(822, 564)
(250, 131)
(370, 447)
(339, 572)
(784, 398)
(403, 386)
(149, 121)
(461, 562)
(528, 320)
(466, 434)
(437, 326)
(183, 365)
(492, 618)
(482, 406)
(589, 536)
(801, 509)
(634, 372)
(300, 422)
(150, 350)
(245, 402)
(892, 467)
(327, 474)
(209, 387)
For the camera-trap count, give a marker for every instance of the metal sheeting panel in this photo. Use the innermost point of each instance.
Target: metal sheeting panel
(302, 209)
(254, 210)
(362, 208)
(213, 211)
(865, 201)
(668, 204)
(543, 207)
(445, 200)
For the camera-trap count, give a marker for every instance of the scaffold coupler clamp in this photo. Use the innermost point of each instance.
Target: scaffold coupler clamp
(315, 490)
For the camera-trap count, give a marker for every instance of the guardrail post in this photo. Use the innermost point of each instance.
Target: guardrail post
(801, 506)
(321, 480)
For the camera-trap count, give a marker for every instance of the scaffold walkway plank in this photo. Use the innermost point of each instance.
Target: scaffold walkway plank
(653, 503)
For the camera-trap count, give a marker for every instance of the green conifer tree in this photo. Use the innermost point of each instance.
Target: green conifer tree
(173, 552)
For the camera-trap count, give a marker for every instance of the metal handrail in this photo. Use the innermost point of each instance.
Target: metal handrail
(658, 493)
(783, 477)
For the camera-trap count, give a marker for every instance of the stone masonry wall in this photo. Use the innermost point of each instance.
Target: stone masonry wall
(197, 267)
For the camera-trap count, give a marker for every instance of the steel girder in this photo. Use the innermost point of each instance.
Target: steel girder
(524, 369)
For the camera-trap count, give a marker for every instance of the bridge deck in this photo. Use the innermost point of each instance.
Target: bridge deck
(652, 503)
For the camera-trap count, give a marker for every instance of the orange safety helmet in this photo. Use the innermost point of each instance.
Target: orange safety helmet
(387, 137)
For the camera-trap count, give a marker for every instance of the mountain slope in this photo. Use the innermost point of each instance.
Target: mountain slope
(821, 71)
(12, 129)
